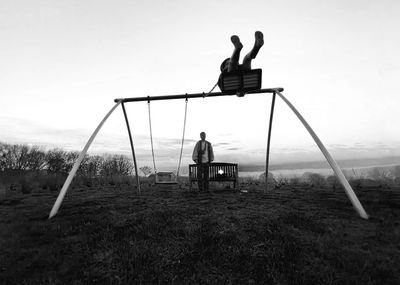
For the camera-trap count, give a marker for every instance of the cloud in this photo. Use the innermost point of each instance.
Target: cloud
(167, 150)
(221, 144)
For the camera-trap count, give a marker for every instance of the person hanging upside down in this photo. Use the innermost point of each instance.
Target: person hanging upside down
(232, 64)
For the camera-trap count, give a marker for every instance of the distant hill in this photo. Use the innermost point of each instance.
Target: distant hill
(345, 163)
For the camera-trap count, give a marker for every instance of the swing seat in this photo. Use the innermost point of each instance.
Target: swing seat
(166, 178)
(240, 82)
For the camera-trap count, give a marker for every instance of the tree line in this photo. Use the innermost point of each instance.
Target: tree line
(21, 158)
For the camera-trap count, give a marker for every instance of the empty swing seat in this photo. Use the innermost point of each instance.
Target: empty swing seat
(166, 178)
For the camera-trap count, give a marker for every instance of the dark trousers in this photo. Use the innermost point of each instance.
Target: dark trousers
(202, 176)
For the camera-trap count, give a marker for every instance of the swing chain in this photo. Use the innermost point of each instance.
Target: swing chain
(183, 137)
(151, 137)
(209, 92)
(182, 142)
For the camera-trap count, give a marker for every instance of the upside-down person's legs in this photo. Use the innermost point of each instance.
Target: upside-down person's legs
(234, 60)
(259, 42)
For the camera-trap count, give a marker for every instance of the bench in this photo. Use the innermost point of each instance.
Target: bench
(218, 172)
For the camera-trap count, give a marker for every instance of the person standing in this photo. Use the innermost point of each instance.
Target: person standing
(203, 154)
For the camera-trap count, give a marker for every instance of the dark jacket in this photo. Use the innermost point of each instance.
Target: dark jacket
(198, 153)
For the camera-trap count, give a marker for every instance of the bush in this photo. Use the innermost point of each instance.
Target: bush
(313, 179)
(281, 181)
(3, 190)
(30, 181)
(396, 171)
(91, 166)
(333, 181)
(54, 181)
(21, 157)
(119, 180)
(249, 180)
(56, 160)
(26, 187)
(365, 183)
(116, 165)
(295, 181)
(378, 173)
(270, 180)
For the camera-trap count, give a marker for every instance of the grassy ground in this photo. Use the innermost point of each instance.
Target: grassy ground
(110, 235)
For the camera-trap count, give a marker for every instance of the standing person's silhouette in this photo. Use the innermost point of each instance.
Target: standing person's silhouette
(203, 154)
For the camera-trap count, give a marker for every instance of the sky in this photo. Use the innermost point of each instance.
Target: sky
(62, 64)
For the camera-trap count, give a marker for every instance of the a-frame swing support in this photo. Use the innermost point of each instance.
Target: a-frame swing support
(132, 148)
(349, 191)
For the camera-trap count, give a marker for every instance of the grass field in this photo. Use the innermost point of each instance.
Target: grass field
(291, 235)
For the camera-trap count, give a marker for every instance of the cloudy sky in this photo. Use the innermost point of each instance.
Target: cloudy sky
(63, 62)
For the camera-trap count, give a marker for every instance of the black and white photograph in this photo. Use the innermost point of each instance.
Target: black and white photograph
(199, 142)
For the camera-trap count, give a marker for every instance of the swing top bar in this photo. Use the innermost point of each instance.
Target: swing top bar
(193, 95)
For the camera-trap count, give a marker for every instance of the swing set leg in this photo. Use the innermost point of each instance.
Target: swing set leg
(269, 141)
(78, 162)
(132, 148)
(335, 167)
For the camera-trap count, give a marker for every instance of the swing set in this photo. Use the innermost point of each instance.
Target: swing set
(230, 83)
(167, 177)
(240, 83)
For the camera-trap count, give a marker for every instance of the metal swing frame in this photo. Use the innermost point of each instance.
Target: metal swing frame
(187, 97)
(275, 91)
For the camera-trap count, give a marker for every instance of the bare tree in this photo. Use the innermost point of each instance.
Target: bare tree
(116, 165)
(3, 156)
(56, 159)
(146, 170)
(70, 159)
(91, 166)
(14, 157)
(313, 179)
(21, 157)
(36, 158)
(125, 166)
